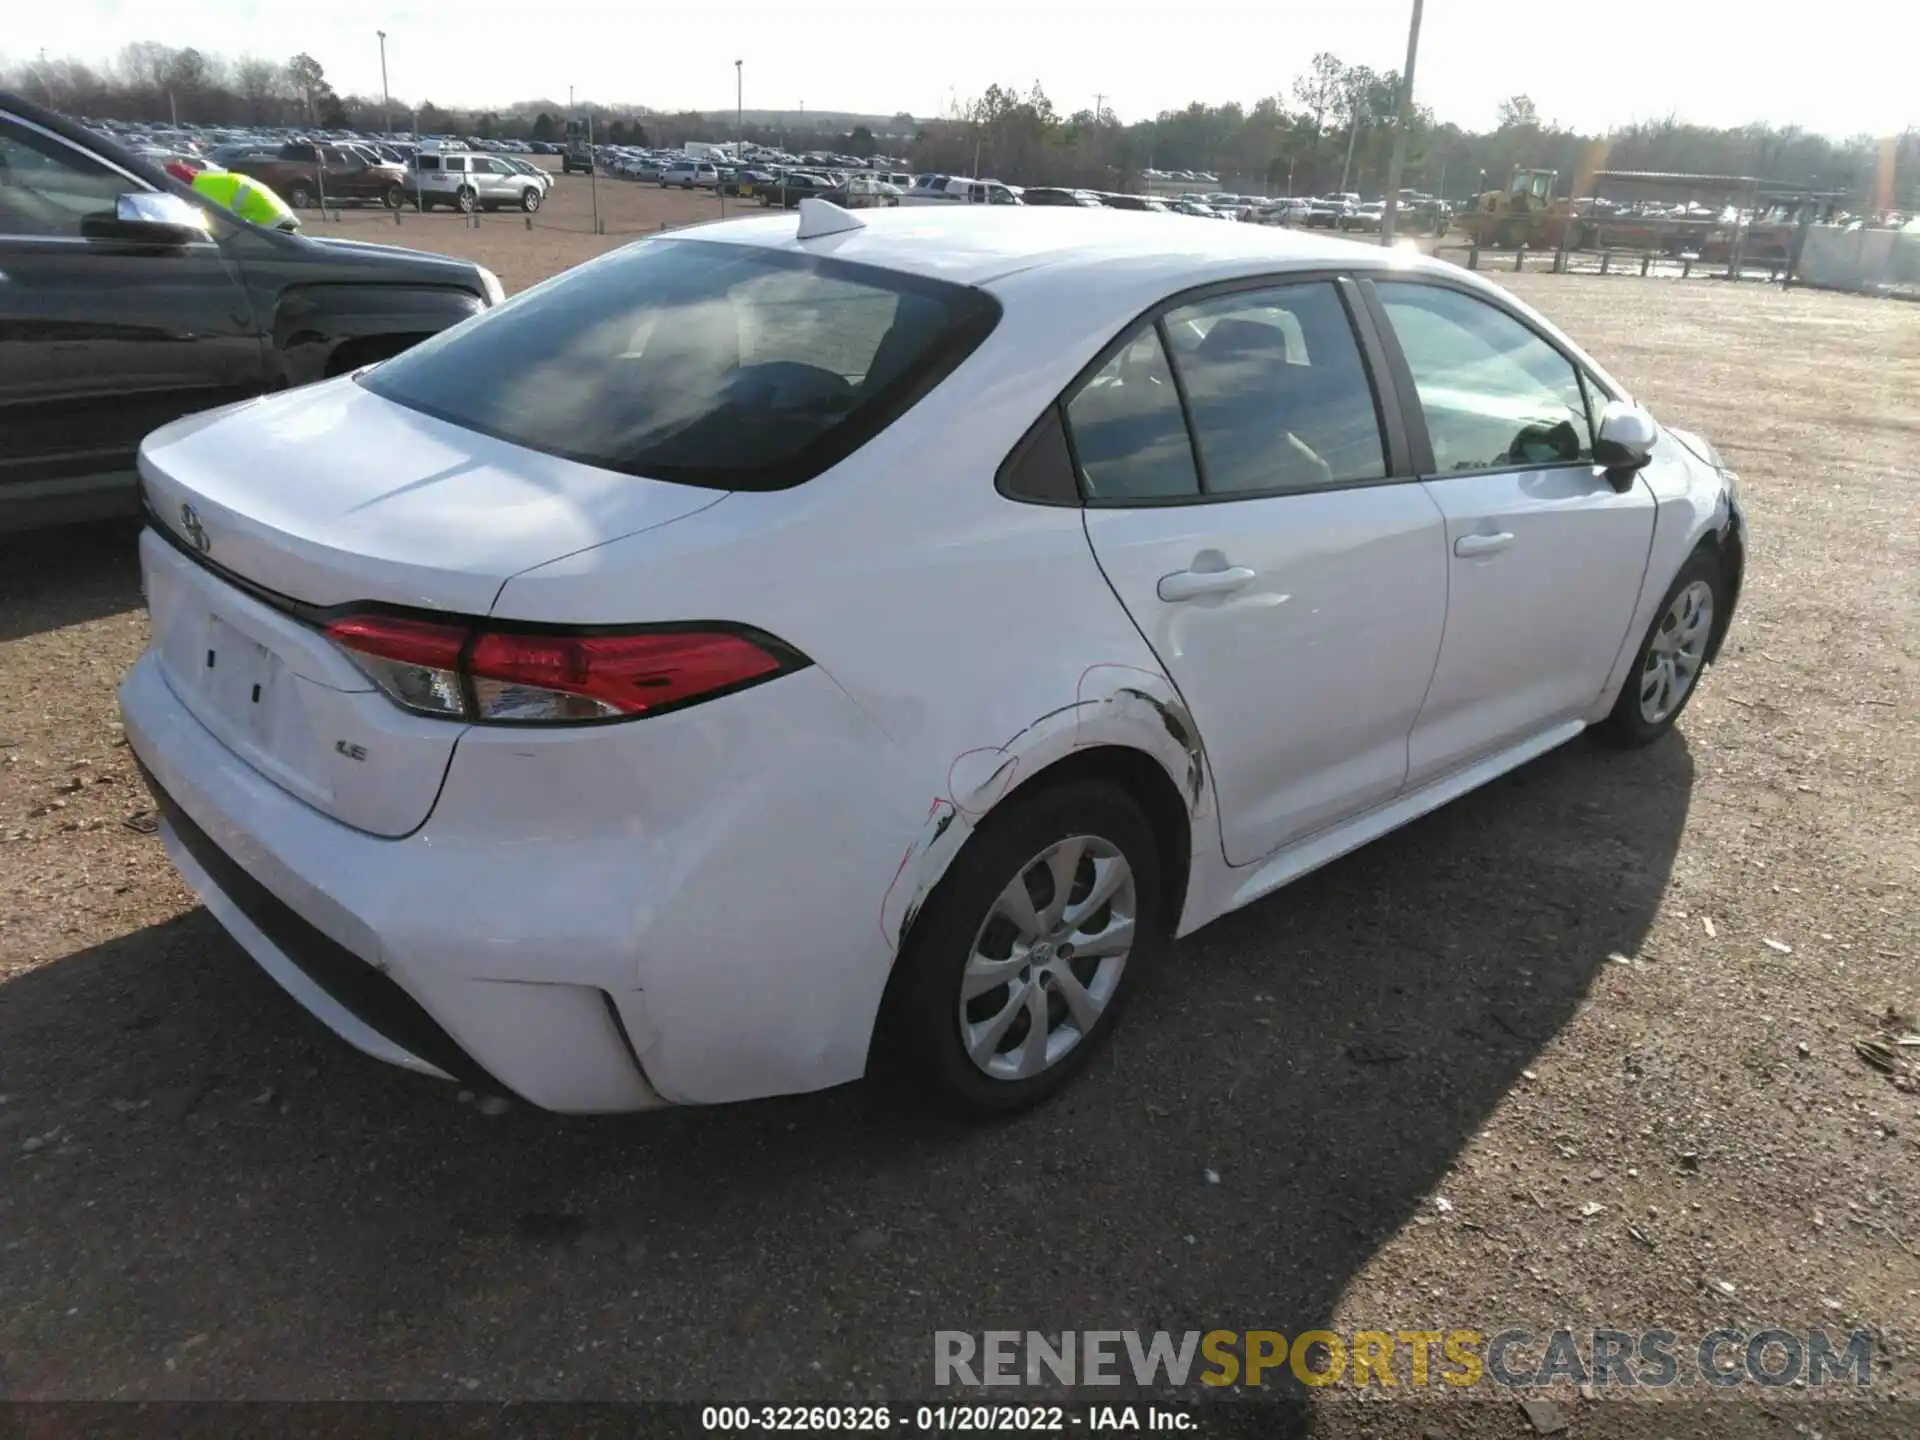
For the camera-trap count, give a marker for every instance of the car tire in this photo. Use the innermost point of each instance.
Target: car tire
(962, 933)
(299, 197)
(530, 199)
(1667, 665)
(394, 197)
(465, 200)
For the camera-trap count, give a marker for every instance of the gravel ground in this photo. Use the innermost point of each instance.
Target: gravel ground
(1606, 1010)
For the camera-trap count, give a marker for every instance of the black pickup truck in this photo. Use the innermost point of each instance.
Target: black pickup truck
(114, 320)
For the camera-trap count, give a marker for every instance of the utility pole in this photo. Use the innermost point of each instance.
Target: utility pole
(1353, 134)
(46, 86)
(173, 111)
(738, 113)
(386, 97)
(1399, 160)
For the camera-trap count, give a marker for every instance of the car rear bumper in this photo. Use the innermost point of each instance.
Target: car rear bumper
(301, 894)
(599, 919)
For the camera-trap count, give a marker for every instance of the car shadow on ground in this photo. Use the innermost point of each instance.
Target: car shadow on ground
(221, 1199)
(54, 578)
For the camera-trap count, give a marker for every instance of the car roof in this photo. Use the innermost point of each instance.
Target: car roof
(974, 245)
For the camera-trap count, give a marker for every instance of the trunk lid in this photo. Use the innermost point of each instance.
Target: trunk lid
(330, 496)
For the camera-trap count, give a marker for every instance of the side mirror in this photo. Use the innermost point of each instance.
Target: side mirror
(149, 217)
(1625, 442)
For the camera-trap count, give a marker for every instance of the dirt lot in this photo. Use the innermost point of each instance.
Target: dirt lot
(1605, 1011)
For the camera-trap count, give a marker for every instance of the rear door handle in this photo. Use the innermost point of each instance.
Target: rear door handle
(1192, 584)
(1468, 546)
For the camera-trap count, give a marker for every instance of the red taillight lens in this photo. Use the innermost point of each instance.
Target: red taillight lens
(525, 676)
(510, 676)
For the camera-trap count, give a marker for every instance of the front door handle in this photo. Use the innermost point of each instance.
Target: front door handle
(1468, 546)
(1191, 584)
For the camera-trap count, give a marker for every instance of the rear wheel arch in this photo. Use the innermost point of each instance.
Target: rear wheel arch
(1114, 791)
(1144, 780)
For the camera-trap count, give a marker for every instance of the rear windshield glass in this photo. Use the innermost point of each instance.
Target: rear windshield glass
(730, 366)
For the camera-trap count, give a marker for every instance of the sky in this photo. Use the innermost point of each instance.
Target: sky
(1840, 67)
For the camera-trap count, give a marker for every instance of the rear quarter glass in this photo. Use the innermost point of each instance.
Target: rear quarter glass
(726, 366)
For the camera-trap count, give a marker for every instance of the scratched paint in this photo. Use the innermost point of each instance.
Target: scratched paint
(1130, 714)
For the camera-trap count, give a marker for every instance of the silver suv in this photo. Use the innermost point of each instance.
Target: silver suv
(469, 181)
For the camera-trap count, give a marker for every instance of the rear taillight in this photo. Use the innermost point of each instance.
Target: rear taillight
(416, 662)
(505, 676)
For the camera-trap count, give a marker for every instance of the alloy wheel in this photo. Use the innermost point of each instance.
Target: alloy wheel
(1047, 960)
(1676, 652)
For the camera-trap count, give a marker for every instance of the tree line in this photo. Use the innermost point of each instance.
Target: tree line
(1332, 128)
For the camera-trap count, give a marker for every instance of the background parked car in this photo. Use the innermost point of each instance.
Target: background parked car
(863, 192)
(1368, 217)
(1327, 214)
(1291, 211)
(466, 181)
(1053, 195)
(306, 175)
(130, 302)
(793, 187)
(537, 173)
(691, 175)
(745, 183)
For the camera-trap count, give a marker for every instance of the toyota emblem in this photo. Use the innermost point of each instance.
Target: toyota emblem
(196, 532)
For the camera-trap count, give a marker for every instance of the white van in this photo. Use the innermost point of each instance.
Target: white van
(691, 174)
(958, 190)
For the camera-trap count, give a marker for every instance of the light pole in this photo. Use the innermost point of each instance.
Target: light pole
(386, 99)
(737, 111)
(1399, 160)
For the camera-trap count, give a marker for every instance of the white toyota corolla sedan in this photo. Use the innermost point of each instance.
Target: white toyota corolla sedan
(780, 651)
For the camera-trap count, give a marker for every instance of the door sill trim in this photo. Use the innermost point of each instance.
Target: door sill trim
(1288, 865)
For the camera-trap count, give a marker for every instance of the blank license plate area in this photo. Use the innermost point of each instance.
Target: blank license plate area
(239, 677)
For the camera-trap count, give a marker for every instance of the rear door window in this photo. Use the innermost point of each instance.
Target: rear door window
(1279, 397)
(729, 366)
(1129, 433)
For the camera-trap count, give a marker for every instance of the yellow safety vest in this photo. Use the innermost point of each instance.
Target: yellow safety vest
(246, 197)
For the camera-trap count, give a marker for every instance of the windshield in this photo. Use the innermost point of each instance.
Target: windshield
(731, 366)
